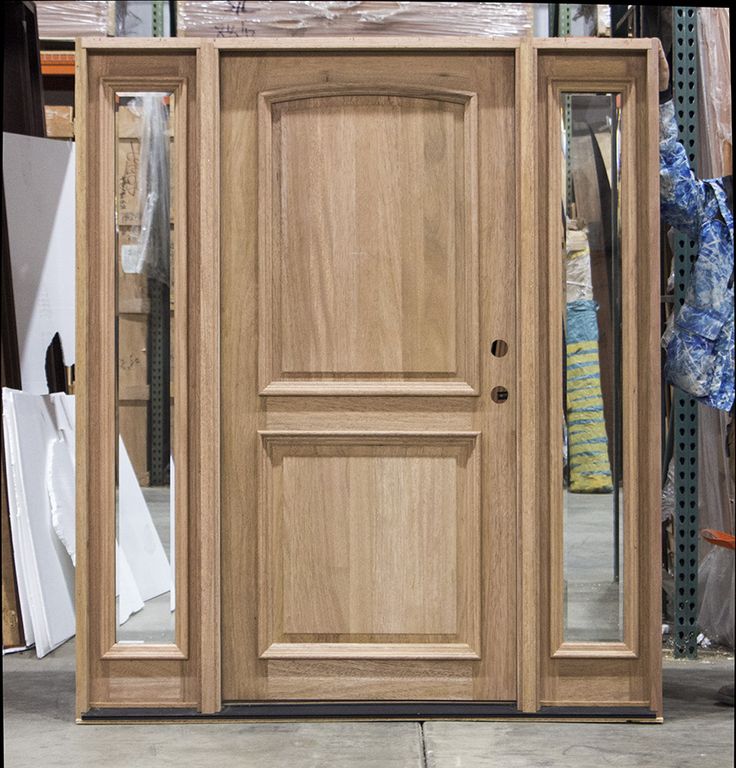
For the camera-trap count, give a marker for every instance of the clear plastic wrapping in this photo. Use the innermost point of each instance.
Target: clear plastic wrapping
(716, 591)
(668, 494)
(153, 251)
(578, 275)
(59, 121)
(714, 54)
(715, 511)
(716, 573)
(236, 18)
(73, 18)
(603, 21)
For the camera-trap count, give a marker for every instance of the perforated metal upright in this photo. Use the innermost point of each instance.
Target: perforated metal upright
(157, 18)
(564, 25)
(685, 81)
(159, 447)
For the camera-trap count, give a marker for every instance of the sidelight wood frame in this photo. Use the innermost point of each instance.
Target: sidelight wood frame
(589, 673)
(109, 87)
(629, 646)
(184, 673)
(550, 673)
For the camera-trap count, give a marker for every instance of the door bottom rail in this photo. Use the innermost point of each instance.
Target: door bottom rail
(359, 710)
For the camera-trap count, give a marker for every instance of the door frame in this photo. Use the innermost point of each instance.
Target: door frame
(138, 684)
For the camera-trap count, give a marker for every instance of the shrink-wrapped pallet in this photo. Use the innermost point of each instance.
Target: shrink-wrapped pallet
(74, 18)
(714, 54)
(234, 18)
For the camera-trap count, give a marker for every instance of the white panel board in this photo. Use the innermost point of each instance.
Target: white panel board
(61, 474)
(43, 566)
(39, 199)
(40, 463)
(137, 535)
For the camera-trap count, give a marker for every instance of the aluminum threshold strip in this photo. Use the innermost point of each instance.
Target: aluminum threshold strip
(419, 710)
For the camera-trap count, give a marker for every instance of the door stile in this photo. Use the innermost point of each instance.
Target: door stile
(528, 300)
(208, 370)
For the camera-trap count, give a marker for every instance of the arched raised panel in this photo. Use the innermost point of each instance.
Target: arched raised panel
(368, 211)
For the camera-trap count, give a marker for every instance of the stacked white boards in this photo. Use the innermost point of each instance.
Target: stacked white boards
(39, 450)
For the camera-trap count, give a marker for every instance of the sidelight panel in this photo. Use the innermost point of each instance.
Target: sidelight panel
(144, 185)
(145, 493)
(593, 477)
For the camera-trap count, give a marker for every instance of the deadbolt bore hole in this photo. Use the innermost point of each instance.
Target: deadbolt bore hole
(499, 394)
(499, 348)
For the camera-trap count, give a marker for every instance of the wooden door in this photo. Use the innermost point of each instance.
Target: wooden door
(368, 229)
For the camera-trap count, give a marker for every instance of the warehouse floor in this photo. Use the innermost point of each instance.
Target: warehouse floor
(40, 731)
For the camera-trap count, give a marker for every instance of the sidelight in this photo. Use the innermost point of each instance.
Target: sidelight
(593, 477)
(146, 355)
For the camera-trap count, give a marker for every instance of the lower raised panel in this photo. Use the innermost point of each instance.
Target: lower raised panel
(369, 545)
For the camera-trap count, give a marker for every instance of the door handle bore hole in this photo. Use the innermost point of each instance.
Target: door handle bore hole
(499, 348)
(499, 394)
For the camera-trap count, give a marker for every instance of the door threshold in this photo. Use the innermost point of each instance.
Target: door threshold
(363, 710)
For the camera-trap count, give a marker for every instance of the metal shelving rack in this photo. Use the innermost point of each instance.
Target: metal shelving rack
(685, 85)
(159, 443)
(683, 428)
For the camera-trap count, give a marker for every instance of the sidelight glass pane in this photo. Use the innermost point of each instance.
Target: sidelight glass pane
(144, 351)
(591, 368)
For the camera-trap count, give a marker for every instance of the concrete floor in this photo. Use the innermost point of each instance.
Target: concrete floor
(594, 602)
(155, 622)
(40, 732)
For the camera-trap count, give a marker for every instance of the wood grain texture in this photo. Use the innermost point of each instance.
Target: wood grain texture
(206, 405)
(388, 649)
(628, 211)
(603, 673)
(581, 650)
(373, 679)
(131, 332)
(81, 396)
(145, 651)
(180, 385)
(241, 410)
(588, 46)
(649, 351)
(141, 44)
(370, 414)
(361, 408)
(368, 535)
(347, 43)
(226, 658)
(356, 44)
(529, 380)
(112, 681)
(353, 178)
(373, 176)
(495, 675)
